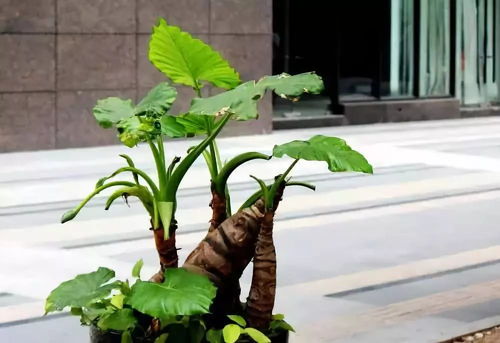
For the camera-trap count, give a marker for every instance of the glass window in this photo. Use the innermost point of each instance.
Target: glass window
(400, 76)
(478, 51)
(435, 48)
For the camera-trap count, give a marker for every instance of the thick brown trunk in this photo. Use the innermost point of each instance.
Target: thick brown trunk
(167, 251)
(218, 205)
(260, 300)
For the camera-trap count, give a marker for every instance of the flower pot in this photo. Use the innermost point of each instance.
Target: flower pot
(99, 336)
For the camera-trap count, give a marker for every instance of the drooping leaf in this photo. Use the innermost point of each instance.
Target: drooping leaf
(243, 99)
(231, 333)
(334, 151)
(111, 110)
(214, 336)
(187, 60)
(119, 320)
(238, 320)
(158, 100)
(136, 271)
(138, 191)
(182, 293)
(81, 290)
(256, 335)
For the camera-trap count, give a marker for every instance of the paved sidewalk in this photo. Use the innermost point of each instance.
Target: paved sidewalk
(409, 254)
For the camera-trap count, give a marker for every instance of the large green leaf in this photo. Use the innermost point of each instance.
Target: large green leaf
(187, 60)
(243, 99)
(111, 110)
(158, 100)
(182, 293)
(119, 320)
(81, 290)
(334, 151)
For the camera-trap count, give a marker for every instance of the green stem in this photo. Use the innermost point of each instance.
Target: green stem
(73, 212)
(160, 169)
(272, 192)
(182, 168)
(231, 165)
(258, 194)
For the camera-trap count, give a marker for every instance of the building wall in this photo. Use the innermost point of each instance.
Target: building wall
(57, 57)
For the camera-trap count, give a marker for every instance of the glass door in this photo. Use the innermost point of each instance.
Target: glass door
(478, 51)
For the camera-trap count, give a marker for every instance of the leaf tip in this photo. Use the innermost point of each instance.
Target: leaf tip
(68, 215)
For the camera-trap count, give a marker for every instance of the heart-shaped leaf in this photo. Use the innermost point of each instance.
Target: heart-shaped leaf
(111, 110)
(119, 320)
(187, 60)
(81, 290)
(182, 293)
(334, 151)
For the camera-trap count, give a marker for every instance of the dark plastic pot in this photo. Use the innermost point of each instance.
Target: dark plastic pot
(98, 336)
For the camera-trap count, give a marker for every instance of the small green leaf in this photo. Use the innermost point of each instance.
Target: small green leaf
(278, 316)
(158, 101)
(256, 335)
(120, 320)
(281, 325)
(81, 290)
(231, 333)
(166, 210)
(334, 151)
(111, 110)
(188, 61)
(182, 293)
(126, 337)
(238, 320)
(136, 271)
(117, 300)
(214, 336)
(162, 338)
(132, 130)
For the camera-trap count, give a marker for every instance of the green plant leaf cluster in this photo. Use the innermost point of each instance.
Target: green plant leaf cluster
(179, 302)
(136, 123)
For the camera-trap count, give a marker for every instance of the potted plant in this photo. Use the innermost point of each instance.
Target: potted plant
(200, 301)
